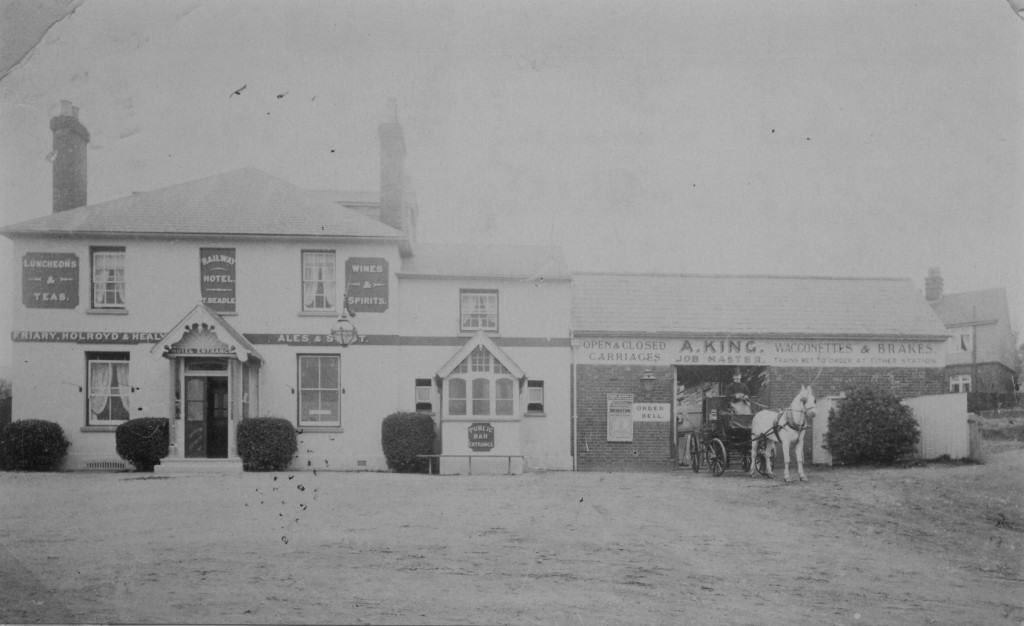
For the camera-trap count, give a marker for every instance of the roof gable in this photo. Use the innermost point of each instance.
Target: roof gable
(202, 332)
(972, 306)
(241, 202)
(481, 340)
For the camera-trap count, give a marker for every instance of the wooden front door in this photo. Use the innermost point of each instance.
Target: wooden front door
(206, 417)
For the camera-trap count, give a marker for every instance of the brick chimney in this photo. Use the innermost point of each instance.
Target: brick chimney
(933, 285)
(69, 158)
(392, 171)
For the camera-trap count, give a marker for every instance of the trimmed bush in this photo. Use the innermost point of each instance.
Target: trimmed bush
(35, 445)
(871, 426)
(266, 444)
(403, 436)
(143, 442)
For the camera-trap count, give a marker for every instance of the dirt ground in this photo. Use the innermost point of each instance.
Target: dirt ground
(931, 544)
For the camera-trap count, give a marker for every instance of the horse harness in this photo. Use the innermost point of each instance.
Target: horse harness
(785, 420)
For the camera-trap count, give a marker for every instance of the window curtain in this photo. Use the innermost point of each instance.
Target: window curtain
(108, 283)
(99, 387)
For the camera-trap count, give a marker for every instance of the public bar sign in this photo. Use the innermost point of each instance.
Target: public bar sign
(217, 278)
(366, 283)
(771, 352)
(49, 280)
(481, 437)
(620, 416)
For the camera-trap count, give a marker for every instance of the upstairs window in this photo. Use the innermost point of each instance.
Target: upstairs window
(108, 287)
(108, 386)
(319, 281)
(962, 340)
(535, 397)
(478, 310)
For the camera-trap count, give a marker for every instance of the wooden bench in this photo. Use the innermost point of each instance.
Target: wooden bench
(430, 459)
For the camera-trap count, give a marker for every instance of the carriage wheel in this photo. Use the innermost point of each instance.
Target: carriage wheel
(761, 457)
(717, 458)
(694, 453)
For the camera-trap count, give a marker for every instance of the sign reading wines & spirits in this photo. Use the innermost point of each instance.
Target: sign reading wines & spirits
(366, 280)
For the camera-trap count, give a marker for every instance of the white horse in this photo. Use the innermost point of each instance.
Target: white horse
(785, 427)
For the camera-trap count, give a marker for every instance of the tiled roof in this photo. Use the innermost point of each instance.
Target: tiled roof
(972, 306)
(632, 304)
(241, 202)
(486, 261)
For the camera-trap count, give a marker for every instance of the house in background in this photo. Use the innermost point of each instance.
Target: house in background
(982, 345)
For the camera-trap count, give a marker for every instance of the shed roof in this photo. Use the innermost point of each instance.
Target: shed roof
(241, 202)
(661, 304)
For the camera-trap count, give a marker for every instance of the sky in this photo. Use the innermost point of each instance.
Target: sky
(798, 137)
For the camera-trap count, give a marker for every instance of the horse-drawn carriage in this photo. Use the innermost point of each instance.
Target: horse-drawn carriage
(723, 439)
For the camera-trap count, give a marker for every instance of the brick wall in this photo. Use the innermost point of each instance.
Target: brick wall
(990, 377)
(651, 447)
(784, 382)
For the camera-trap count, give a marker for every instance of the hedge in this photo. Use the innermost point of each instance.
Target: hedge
(405, 435)
(35, 445)
(871, 426)
(143, 441)
(266, 444)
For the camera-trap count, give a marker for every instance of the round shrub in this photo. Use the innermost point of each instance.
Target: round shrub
(871, 426)
(36, 445)
(403, 436)
(266, 444)
(143, 441)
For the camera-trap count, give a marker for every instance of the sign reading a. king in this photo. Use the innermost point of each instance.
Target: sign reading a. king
(49, 280)
(366, 280)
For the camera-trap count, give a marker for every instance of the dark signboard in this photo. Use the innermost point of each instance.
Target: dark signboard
(481, 437)
(49, 280)
(366, 280)
(217, 278)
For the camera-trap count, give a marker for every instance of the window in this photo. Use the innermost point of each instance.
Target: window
(962, 340)
(961, 383)
(422, 397)
(108, 386)
(319, 390)
(535, 396)
(107, 278)
(319, 281)
(478, 310)
(491, 388)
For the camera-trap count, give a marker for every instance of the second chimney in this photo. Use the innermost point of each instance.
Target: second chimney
(69, 159)
(392, 173)
(933, 285)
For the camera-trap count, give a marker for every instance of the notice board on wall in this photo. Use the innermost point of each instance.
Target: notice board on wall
(620, 417)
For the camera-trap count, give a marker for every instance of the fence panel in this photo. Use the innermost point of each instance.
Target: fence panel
(944, 427)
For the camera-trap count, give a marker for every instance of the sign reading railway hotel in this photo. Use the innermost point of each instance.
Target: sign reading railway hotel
(770, 352)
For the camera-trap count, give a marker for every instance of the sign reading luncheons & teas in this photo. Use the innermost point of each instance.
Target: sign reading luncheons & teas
(49, 280)
(768, 352)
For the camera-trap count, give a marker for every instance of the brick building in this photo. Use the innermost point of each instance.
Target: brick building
(981, 352)
(648, 348)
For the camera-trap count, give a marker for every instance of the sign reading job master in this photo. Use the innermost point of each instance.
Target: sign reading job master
(49, 280)
(773, 352)
(366, 279)
(217, 278)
